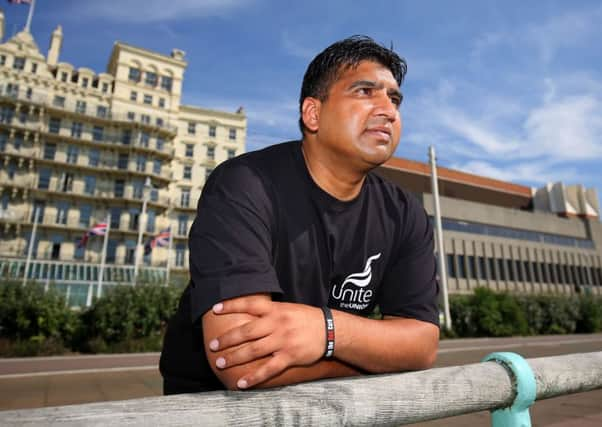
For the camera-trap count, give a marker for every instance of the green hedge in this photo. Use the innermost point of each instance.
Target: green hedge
(489, 314)
(125, 319)
(131, 319)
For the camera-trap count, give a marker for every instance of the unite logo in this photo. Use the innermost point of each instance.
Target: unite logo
(351, 293)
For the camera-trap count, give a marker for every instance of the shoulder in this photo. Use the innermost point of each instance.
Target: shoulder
(393, 196)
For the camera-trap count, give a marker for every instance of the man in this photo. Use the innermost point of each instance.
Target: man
(294, 245)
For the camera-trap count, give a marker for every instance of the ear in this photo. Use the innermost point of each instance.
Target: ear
(310, 113)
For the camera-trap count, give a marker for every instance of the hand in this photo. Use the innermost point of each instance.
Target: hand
(289, 334)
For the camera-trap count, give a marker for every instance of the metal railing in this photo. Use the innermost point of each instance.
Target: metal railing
(389, 400)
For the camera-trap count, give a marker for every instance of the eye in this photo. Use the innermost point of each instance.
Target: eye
(396, 99)
(366, 91)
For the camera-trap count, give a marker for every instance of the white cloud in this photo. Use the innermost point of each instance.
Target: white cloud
(539, 173)
(294, 48)
(158, 10)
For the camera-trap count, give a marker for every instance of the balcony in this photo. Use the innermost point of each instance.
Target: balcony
(73, 108)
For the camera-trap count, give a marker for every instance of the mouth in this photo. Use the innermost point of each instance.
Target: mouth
(380, 132)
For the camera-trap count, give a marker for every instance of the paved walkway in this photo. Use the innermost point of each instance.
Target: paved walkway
(54, 381)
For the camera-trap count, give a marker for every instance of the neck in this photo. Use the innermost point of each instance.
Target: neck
(337, 179)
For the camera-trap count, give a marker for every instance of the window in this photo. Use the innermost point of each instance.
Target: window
(18, 141)
(59, 101)
(511, 276)
(461, 267)
(185, 198)
(231, 153)
(126, 137)
(80, 107)
(115, 217)
(44, 179)
(187, 173)
(182, 225)
(154, 194)
(150, 221)
(157, 167)
(519, 272)
(85, 82)
(189, 152)
(66, 183)
(472, 267)
(159, 121)
(130, 252)
(191, 128)
(145, 118)
(29, 93)
(19, 63)
(62, 210)
(56, 250)
(138, 187)
(134, 75)
(133, 95)
(535, 268)
(6, 114)
(148, 99)
(85, 211)
(54, 125)
(151, 79)
(38, 206)
(64, 76)
(451, 266)
(76, 129)
(89, 184)
(3, 139)
(105, 87)
(93, 157)
(72, 153)
(527, 271)
(232, 134)
(118, 187)
(140, 163)
(49, 151)
(212, 131)
(12, 90)
(97, 133)
(211, 153)
(131, 116)
(160, 143)
(144, 139)
(101, 111)
(161, 102)
(502, 272)
(492, 271)
(482, 268)
(2, 59)
(166, 83)
(111, 250)
(34, 68)
(122, 161)
(208, 173)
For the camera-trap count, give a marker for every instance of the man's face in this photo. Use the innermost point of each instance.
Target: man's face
(360, 118)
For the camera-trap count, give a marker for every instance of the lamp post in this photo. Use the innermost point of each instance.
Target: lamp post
(141, 225)
(439, 231)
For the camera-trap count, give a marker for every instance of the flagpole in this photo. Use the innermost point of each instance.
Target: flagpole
(103, 256)
(29, 16)
(169, 247)
(439, 232)
(32, 240)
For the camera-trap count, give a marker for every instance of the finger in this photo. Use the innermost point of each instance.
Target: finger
(250, 331)
(273, 367)
(247, 353)
(257, 305)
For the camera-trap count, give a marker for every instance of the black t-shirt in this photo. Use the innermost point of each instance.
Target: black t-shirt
(263, 225)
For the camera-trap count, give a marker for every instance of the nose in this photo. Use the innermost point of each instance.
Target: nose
(385, 107)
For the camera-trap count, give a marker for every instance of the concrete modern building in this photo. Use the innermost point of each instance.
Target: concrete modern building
(510, 237)
(78, 146)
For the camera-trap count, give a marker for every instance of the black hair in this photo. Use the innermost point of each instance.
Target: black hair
(325, 68)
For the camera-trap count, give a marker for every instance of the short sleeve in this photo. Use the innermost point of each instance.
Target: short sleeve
(230, 239)
(410, 286)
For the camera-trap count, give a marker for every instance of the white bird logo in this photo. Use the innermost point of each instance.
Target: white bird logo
(362, 279)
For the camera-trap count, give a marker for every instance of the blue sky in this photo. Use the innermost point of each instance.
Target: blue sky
(510, 90)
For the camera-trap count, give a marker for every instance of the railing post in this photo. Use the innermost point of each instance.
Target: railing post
(523, 379)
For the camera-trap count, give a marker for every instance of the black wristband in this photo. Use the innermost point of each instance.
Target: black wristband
(329, 332)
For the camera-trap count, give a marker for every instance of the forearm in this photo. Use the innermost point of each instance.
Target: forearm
(388, 345)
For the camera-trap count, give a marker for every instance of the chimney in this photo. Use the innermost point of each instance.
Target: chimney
(55, 46)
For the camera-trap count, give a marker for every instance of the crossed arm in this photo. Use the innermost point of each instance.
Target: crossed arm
(252, 341)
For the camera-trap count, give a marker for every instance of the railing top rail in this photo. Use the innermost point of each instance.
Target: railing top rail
(387, 400)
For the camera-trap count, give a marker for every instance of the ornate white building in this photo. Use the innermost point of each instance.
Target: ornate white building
(80, 145)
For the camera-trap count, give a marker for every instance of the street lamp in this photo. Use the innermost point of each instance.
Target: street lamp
(141, 225)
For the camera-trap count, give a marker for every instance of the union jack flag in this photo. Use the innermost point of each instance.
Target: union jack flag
(161, 240)
(20, 1)
(99, 229)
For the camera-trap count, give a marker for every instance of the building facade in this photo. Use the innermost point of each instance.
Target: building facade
(79, 147)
